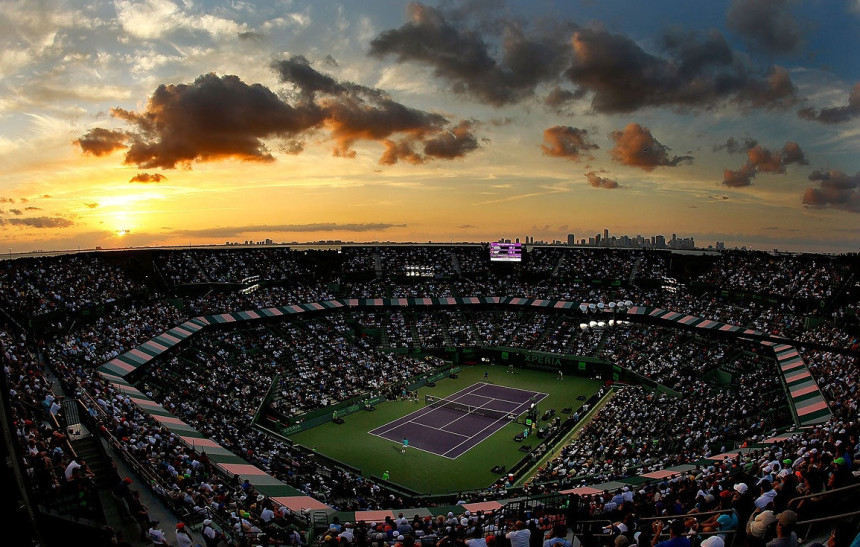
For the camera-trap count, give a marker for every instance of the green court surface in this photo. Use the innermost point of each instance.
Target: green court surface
(351, 443)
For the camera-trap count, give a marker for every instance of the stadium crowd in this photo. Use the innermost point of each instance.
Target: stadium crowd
(217, 384)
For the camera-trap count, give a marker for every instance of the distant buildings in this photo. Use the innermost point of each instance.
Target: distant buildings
(622, 242)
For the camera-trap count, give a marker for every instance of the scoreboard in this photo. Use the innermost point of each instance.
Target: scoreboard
(506, 252)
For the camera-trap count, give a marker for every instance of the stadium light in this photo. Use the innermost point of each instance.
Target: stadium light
(612, 322)
(583, 326)
(600, 305)
(592, 324)
(601, 324)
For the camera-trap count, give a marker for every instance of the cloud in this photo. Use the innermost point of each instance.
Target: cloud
(835, 114)
(220, 117)
(31, 208)
(764, 160)
(734, 146)
(767, 24)
(558, 97)
(739, 178)
(836, 190)
(636, 147)
(298, 71)
(567, 142)
(465, 226)
(213, 118)
(292, 147)
(462, 57)
(400, 151)
(91, 205)
(38, 222)
(454, 143)
(597, 181)
(18, 212)
(101, 142)
(231, 231)
(153, 19)
(146, 178)
(699, 70)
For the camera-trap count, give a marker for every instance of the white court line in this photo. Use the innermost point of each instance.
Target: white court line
(411, 446)
(465, 392)
(472, 437)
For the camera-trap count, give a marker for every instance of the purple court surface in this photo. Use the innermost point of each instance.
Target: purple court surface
(450, 433)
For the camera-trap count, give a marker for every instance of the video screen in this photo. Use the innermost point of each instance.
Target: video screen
(506, 252)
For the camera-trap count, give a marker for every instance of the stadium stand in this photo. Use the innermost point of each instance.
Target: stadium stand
(736, 393)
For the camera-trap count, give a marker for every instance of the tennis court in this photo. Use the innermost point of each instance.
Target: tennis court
(450, 427)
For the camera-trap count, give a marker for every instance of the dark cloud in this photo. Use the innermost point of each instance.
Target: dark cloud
(454, 143)
(298, 71)
(465, 226)
(461, 57)
(38, 222)
(101, 142)
(791, 153)
(567, 142)
(498, 61)
(213, 118)
(559, 97)
(636, 147)
(219, 117)
(835, 114)
(7, 200)
(147, 178)
(764, 160)
(230, 231)
(251, 36)
(767, 24)
(772, 91)
(352, 112)
(91, 205)
(400, 151)
(32, 208)
(734, 146)
(18, 212)
(596, 181)
(700, 70)
(836, 190)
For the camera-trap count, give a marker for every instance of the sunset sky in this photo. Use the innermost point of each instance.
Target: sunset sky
(169, 122)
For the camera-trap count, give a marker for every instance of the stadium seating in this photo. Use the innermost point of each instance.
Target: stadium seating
(69, 315)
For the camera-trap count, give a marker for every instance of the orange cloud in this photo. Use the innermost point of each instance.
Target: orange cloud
(636, 147)
(567, 142)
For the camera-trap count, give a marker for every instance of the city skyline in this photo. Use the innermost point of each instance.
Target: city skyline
(158, 122)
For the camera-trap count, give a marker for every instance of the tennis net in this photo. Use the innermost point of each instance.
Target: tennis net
(438, 402)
